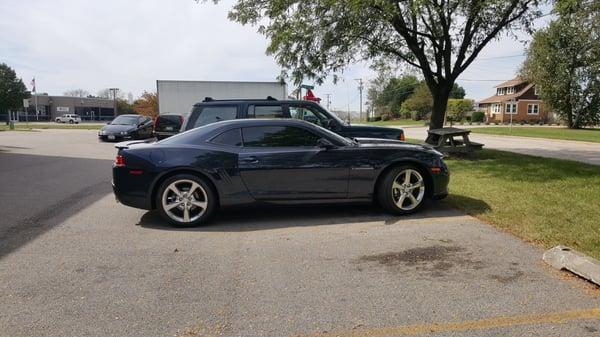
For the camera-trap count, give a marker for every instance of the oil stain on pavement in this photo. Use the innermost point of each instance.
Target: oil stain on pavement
(435, 260)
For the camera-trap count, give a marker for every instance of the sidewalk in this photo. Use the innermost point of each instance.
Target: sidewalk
(585, 152)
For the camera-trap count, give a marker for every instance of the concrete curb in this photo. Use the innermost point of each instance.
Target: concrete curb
(561, 257)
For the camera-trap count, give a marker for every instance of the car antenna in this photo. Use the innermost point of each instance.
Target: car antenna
(271, 98)
(208, 99)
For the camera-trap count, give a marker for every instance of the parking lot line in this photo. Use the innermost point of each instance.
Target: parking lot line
(482, 324)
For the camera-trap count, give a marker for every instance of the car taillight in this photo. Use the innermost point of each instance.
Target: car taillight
(119, 161)
(401, 137)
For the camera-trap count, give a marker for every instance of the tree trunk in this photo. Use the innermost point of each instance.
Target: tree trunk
(440, 95)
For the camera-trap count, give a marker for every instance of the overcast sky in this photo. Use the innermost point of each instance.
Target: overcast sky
(130, 44)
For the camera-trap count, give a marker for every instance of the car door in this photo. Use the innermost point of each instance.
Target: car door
(279, 162)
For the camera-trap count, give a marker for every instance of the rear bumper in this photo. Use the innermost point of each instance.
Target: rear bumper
(130, 200)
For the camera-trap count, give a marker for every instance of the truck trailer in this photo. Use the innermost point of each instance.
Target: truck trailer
(179, 97)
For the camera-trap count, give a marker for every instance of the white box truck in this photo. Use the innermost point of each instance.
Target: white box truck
(180, 96)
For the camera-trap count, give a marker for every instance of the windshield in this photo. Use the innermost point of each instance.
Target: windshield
(333, 115)
(125, 120)
(341, 140)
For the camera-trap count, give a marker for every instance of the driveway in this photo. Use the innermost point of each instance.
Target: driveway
(92, 267)
(585, 152)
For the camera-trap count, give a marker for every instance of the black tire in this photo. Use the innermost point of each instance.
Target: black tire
(209, 197)
(389, 196)
(71, 121)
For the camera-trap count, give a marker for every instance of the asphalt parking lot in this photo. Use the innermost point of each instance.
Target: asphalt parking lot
(73, 262)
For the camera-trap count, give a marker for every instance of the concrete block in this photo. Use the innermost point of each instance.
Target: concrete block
(561, 257)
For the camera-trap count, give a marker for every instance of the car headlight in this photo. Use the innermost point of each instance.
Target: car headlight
(123, 133)
(102, 132)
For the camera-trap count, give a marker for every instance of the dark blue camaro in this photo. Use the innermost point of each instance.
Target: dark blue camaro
(188, 176)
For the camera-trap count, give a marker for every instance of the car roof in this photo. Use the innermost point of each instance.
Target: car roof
(263, 121)
(251, 100)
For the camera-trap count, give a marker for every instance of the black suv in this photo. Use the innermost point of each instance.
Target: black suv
(211, 111)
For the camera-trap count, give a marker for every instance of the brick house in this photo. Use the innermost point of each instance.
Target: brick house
(517, 98)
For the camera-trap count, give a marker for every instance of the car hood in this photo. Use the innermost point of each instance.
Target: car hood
(370, 128)
(392, 143)
(117, 128)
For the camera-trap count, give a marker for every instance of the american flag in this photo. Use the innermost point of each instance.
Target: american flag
(33, 84)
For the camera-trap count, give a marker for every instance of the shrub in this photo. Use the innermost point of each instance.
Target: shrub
(477, 116)
(386, 117)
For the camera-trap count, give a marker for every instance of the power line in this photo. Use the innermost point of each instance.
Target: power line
(499, 57)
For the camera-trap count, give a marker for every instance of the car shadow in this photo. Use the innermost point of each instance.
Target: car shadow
(40, 192)
(255, 218)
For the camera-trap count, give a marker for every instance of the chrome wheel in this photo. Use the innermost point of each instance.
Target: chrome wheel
(408, 189)
(184, 201)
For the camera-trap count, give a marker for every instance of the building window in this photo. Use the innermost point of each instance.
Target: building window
(533, 109)
(495, 108)
(510, 90)
(511, 108)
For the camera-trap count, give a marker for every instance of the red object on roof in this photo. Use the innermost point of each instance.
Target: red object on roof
(311, 97)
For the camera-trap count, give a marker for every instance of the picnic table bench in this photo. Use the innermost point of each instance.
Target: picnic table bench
(444, 140)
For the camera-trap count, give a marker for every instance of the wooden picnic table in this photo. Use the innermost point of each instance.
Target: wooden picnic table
(444, 140)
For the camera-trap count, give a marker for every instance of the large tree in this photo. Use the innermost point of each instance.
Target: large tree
(564, 62)
(12, 90)
(77, 93)
(318, 38)
(147, 105)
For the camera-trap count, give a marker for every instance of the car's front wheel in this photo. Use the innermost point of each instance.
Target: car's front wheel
(185, 200)
(402, 190)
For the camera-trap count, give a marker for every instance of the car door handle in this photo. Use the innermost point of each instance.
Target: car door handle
(249, 160)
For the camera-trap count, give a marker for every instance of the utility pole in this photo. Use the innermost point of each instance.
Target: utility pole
(114, 92)
(360, 90)
(328, 101)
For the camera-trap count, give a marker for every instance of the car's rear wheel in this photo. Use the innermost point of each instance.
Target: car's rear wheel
(402, 190)
(71, 121)
(185, 200)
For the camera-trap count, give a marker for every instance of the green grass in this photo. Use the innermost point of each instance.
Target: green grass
(547, 201)
(588, 135)
(30, 126)
(409, 122)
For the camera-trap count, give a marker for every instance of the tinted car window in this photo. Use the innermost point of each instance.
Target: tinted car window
(278, 136)
(173, 121)
(212, 114)
(265, 111)
(231, 138)
(309, 115)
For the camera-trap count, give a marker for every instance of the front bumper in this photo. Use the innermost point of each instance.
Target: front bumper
(114, 138)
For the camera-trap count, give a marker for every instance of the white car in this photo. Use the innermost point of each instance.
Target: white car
(68, 119)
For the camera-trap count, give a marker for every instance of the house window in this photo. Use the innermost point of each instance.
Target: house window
(510, 90)
(495, 108)
(511, 108)
(500, 91)
(533, 109)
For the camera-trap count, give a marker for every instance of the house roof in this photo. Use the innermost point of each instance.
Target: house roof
(515, 81)
(502, 98)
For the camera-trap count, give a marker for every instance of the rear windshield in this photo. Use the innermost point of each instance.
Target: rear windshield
(212, 114)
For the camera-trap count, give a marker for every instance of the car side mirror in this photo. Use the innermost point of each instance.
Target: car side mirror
(325, 144)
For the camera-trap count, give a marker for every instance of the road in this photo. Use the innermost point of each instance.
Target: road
(74, 262)
(585, 152)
